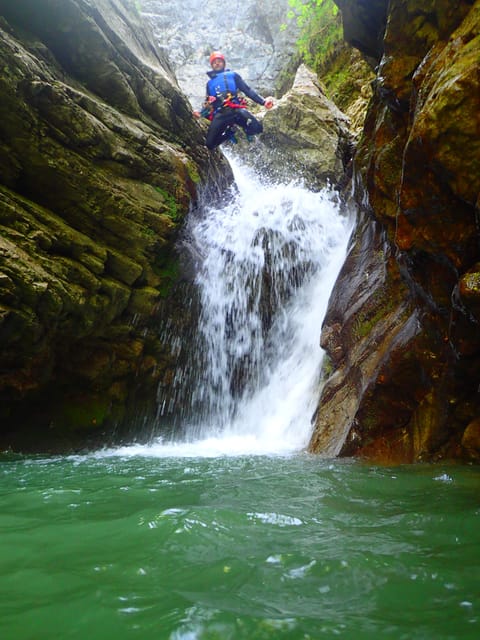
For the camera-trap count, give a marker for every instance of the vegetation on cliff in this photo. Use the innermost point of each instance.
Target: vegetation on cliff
(341, 68)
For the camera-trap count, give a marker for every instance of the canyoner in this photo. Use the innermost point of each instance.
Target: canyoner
(225, 107)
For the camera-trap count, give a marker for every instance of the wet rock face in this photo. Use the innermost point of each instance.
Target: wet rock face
(364, 25)
(100, 160)
(419, 161)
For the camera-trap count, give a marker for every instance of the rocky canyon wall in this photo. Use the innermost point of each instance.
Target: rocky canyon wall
(402, 332)
(100, 160)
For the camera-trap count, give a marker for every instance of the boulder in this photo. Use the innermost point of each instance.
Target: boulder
(306, 137)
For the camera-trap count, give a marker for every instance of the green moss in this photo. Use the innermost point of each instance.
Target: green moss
(82, 414)
(149, 233)
(170, 273)
(372, 313)
(327, 368)
(193, 172)
(172, 206)
(364, 326)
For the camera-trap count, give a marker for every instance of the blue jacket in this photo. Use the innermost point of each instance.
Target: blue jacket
(223, 83)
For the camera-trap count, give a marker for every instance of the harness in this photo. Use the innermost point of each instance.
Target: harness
(223, 89)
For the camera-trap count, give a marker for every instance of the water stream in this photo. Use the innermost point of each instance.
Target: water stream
(267, 263)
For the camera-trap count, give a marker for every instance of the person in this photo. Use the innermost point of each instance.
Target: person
(224, 106)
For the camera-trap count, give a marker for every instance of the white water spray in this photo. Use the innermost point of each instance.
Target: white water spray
(268, 262)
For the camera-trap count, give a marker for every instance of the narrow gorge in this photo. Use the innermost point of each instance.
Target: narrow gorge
(102, 163)
(239, 389)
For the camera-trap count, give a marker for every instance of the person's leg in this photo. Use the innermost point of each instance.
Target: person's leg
(248, 122)
(216, 130)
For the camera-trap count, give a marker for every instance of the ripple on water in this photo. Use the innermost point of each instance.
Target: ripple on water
(242, 548)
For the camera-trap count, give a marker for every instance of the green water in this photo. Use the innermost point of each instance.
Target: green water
(250, 548)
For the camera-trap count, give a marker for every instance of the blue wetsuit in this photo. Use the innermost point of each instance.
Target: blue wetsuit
(224, 86)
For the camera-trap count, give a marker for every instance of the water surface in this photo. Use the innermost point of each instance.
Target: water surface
(236, 547)
(233, 533)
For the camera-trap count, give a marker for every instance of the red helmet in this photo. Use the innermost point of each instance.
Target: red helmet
(216, 55)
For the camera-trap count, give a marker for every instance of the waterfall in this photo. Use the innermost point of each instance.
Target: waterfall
(267, 262)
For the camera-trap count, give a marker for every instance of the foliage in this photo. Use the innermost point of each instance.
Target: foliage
(320, 29)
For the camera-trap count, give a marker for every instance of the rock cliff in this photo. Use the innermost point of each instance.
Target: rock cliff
(402, 330)
(249, 33)
(100, 160)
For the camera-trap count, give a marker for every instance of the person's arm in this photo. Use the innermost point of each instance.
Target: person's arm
(253, 95)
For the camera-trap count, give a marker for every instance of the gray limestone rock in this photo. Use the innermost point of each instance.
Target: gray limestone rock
(305, 136)
(249, 33)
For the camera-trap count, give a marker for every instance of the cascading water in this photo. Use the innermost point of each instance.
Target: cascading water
(267, 262)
